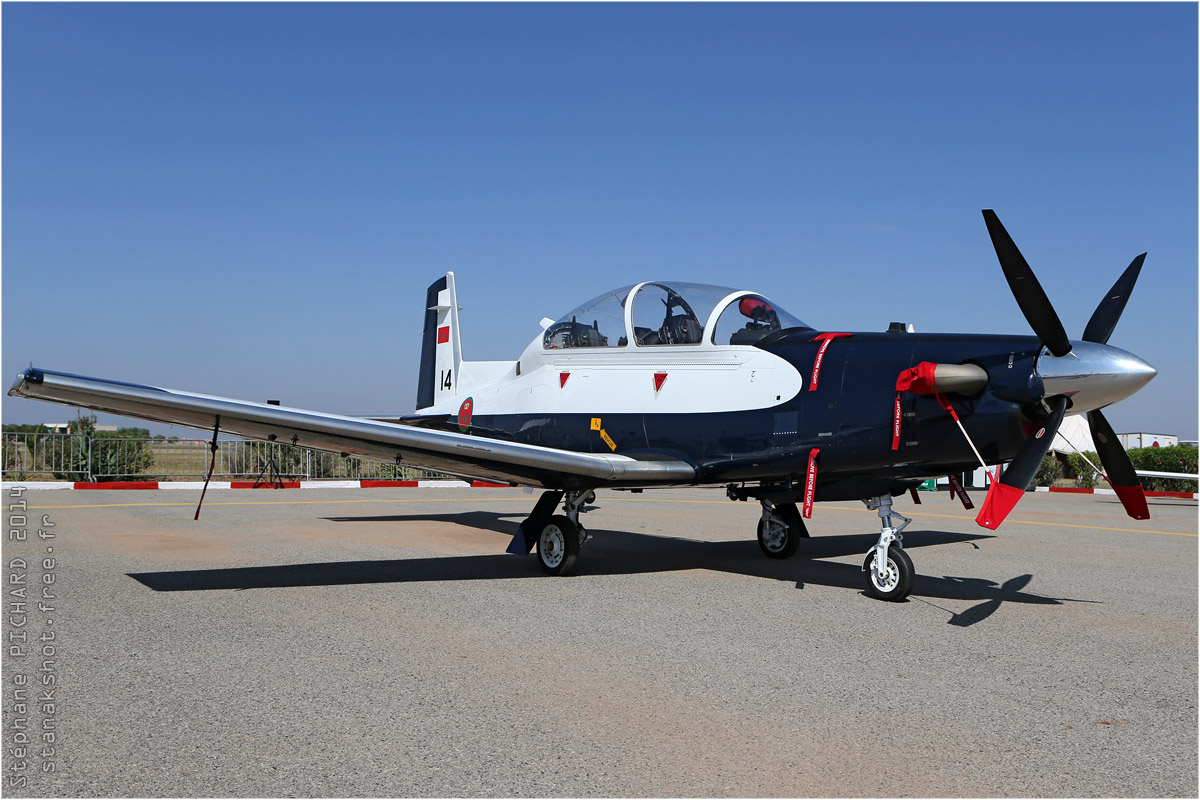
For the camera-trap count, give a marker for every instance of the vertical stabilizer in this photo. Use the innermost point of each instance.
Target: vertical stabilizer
(441, 347)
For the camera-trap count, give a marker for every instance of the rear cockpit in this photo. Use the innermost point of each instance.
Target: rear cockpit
(669, 313)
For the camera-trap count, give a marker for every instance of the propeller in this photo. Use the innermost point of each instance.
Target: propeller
(1120, 472)
(1039, 312)
(1105, 317)
(1003, 494)
(1030, 295)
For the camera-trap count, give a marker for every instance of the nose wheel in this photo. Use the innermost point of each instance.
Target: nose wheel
(895, 580)
(887, 568)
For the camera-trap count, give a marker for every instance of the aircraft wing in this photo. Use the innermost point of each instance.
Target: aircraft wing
(446, 451)
(1148, 473)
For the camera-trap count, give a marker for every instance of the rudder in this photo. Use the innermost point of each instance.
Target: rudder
(441, 348)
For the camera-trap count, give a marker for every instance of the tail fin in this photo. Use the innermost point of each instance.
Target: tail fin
(441, 348)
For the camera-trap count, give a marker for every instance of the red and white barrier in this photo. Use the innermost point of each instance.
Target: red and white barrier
(362, 484)
(1074, 490)
(418, 484)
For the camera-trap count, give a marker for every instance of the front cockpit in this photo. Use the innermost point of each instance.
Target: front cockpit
(669, 313)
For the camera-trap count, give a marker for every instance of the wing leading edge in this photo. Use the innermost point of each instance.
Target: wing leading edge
(447, 451)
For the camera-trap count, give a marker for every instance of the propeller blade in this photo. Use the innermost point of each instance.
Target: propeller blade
(1030, 296)
(1105, 317)
(1121, 475)
(1003, 494)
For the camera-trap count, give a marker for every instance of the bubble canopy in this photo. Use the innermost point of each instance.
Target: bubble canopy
(669, 313)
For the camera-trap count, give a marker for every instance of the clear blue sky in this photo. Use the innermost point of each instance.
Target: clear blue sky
(249, 200)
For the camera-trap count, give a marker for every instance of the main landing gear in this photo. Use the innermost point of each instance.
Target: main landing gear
(557, 537)
(780, 529)
(887, 568)
(781, 526)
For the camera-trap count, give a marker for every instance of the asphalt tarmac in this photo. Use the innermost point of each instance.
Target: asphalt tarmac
(380, 642)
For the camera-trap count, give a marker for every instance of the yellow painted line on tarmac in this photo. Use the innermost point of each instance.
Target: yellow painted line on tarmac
(615, 499)
(1068, 525)
(926, 514)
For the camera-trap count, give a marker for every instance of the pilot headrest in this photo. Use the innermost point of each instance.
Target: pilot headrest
(754, 308)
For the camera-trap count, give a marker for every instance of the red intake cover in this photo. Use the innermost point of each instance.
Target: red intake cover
(918, 379)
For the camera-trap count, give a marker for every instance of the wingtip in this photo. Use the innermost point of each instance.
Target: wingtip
(15, 389)
(30, 375)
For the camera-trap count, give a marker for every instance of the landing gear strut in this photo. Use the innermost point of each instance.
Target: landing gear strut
(557, 536)
(887, 568)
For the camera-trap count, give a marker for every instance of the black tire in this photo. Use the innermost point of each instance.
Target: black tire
(899, 581)
(790, 516)
(558, 545)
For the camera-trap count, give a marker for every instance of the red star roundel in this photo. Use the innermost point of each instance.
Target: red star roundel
(464, 414)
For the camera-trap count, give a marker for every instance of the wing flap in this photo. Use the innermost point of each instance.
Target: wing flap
(447, 451)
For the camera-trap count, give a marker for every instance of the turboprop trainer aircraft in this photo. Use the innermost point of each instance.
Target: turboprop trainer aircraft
(678, 384)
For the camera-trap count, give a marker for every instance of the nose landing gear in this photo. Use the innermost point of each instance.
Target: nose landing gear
(887, 568)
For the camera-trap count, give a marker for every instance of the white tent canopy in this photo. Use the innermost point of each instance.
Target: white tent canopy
(1074, 434)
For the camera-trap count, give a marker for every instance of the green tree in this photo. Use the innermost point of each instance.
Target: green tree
(1050, 470)
(12, 428)
(1153, 459)
(1166, 459)
(1079, 469)
(105, 455)
(121, 454)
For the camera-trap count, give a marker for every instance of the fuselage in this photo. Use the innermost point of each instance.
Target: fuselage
(744, 392)
(750, 413)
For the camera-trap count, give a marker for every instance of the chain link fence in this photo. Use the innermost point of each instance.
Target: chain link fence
(62, 456)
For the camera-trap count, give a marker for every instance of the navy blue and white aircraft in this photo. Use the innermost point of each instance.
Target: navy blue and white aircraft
(680, 384)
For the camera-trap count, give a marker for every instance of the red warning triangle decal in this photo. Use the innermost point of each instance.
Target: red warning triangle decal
(659, 379)
(562, 379)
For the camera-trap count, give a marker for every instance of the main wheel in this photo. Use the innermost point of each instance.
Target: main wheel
(558, 545)
(898, 581)
(780, 536)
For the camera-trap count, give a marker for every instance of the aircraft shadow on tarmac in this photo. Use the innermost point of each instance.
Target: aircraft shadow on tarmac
(505, 523)
(619, 553)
